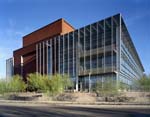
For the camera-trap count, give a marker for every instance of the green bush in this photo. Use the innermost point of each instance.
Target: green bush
(3, 86)
(52, 84)
(106, 88)
(144, 83)
(35, 82)
(15, 84)
(59, 83)
(67, 82)
(122, 86)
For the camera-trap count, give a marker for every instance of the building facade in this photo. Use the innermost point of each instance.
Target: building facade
(9, 68)
(97, 52)
(25, 58)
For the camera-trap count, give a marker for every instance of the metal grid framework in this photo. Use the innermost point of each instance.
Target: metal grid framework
(131, 67)
(95, 50)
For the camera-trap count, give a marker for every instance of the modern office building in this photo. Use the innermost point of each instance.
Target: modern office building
(9, 68)
(97, 52)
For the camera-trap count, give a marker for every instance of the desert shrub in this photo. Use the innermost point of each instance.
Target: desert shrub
(144, 83)
(3, 86)
(15, 84)
(106, 88)
(53, 84)
(67, 82)
(36, 82)
(58, 83)
(122, 86)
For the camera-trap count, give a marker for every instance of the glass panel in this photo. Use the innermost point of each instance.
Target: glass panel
(66, 53)
(94, 61)
(108, 59)
(94, 35)
(61, 54)
(87, 38)
(108, 32)
(101, 34)
(100, 60)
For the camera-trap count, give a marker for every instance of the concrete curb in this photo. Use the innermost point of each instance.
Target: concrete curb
(78, 103)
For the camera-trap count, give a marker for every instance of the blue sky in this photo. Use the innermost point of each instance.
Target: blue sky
(20, 17)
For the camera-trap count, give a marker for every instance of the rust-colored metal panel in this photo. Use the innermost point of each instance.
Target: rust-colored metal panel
(66, 27)
(28, 52)
(56, 28)
(17, 57)
(29, 64)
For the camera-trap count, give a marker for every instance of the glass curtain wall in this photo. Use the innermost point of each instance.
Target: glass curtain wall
(97, 50)
(89, 50)
(131, 68)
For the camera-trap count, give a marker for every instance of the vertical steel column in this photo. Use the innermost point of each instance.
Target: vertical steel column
(43, 57)
(51, 56)
(73, 54)
(90, 50)
(47, 46)
(84, 52)
(77, 61)
(40, 59)
(63, 55)
(48, 57)
(55, 54)
(68, 52)
(90, 59)
(78, 49)
(97, 45)
(112, 43)
(120, 40)
(117, 52)
(36, 58)
(59, 54)
(104, 46)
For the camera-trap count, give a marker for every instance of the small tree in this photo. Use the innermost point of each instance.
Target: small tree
(67, 82)
(36, 82)
(59, 83)
(123, 86)
(3, 86)
(144, 83)
(56, 84)
(106, 88)
(16, 84)
(53, 84)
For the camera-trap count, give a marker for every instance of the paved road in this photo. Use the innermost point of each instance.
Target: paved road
(33, 110)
